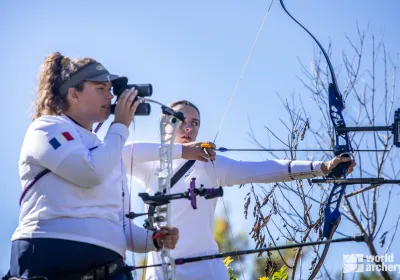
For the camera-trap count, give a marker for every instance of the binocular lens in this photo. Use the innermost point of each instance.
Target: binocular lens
(143, 109)
(144, 90)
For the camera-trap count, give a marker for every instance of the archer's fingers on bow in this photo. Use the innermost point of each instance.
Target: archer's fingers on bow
(168, 237)
(209, 148)
(208, 145)
(193, 151)
(209, 153)
(351, 167)
(328, 166)
(342, 159)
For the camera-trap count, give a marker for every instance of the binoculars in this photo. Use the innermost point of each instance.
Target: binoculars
(144, 90)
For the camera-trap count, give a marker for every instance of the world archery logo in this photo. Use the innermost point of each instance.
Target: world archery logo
(353, 263)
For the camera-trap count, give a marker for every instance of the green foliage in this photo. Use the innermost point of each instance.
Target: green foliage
(278, 275)
(281, 274)
(227, 262)
(228, 243)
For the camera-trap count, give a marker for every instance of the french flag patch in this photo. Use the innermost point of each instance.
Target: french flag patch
(57, 141)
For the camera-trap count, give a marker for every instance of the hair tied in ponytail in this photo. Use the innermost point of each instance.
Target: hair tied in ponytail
(65, 61)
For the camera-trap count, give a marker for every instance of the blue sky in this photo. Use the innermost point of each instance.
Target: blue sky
(188, 50)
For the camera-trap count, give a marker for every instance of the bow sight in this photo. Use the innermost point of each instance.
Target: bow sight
(144, 90)
(160, 199)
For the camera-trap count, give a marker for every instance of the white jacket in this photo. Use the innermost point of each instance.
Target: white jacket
(196, 227)
(85, 196)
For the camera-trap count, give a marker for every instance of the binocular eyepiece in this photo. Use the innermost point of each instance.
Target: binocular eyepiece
(144, 90)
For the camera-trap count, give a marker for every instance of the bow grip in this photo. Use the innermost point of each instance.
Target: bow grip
(158, 235)
(340, 170)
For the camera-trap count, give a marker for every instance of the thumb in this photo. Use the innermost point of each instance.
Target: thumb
(345, 159)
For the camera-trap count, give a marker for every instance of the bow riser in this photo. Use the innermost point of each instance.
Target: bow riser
(342, 143)
(168, 128)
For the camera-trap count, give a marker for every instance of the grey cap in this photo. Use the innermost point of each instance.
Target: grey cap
(93, 72)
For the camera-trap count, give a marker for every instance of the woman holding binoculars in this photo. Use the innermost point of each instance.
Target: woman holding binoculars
(72, 220)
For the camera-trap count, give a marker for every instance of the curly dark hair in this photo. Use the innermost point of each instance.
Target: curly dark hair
(55, 70)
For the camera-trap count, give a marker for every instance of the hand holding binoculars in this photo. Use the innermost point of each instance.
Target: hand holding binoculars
(144, 90)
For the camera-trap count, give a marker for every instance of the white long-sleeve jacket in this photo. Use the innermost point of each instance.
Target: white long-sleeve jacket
(196, 226)
(84, 197)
